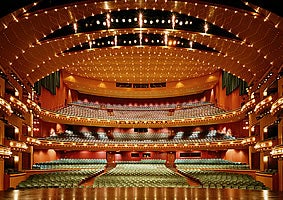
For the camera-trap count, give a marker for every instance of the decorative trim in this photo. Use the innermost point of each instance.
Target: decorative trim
(107, 146)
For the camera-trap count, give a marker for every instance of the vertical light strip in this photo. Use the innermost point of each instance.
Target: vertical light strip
(173, 21)
(191, 44)
(166, 39)
(115, 40)
(140, 24)
(75, 27)
(108, 21)
(205, 27)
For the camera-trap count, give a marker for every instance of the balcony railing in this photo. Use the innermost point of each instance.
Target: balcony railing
(277, 151)
(264, 104)
(5, 152)
(5, 107)
(277, 106)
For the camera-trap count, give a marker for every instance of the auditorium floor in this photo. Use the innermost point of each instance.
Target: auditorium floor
(139, 193)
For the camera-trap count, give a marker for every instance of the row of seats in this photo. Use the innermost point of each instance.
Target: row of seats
(213, 161)
(71, 164)
(163, 141)
(140, 175)
(67, 179)
(214, 166)
(188, 164)
(140, 136)
(192, 112)
(143, 161)
(141, 107)
(212, 179)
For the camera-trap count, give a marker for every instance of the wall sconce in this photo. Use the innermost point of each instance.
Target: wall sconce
(16, 159)
(265, 129)
(16, 93)
(265, 159)
(16, 130)
(265, 93)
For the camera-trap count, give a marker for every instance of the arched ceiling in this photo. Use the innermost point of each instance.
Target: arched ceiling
(37, 41)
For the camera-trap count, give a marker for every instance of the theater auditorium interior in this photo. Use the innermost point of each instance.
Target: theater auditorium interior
(141, 99)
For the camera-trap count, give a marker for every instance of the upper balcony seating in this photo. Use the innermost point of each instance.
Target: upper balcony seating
(140, 107)
(189, 110)
(140, 136)
(179, 141)
(140, 175)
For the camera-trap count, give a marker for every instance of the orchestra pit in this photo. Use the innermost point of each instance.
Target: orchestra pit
(141, 99)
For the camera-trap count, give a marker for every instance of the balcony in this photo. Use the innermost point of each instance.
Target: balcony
(5, 152)
(263, 105)
(33, 106)
(16, 145)
(5, 107)
(265, 145)
(248, 106)
(277, 151)
(16, 103)
(277, 106)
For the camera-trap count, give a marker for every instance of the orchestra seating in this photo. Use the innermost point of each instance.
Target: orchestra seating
(66, 179)
(140, 175)
(72, 164)
(213, 179)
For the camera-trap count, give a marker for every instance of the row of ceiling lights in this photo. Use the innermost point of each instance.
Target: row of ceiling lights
(265, 19)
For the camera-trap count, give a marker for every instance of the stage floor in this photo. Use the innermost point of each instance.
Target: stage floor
(138, 193)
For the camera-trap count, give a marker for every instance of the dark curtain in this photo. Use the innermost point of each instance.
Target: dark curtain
(50, 83)
(231, 83)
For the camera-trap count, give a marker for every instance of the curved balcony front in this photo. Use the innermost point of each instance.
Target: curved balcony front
(166, 145)
(277, 106)
(263, 105)
(5, 107)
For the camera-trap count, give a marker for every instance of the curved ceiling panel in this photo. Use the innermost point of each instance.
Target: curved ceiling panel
(236, 38)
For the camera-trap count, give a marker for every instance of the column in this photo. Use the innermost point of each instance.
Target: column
(280, 174)
(250, 147)
(171, 156)
(261, 155)
(280, 140)
(280, 160)
(110, 157)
